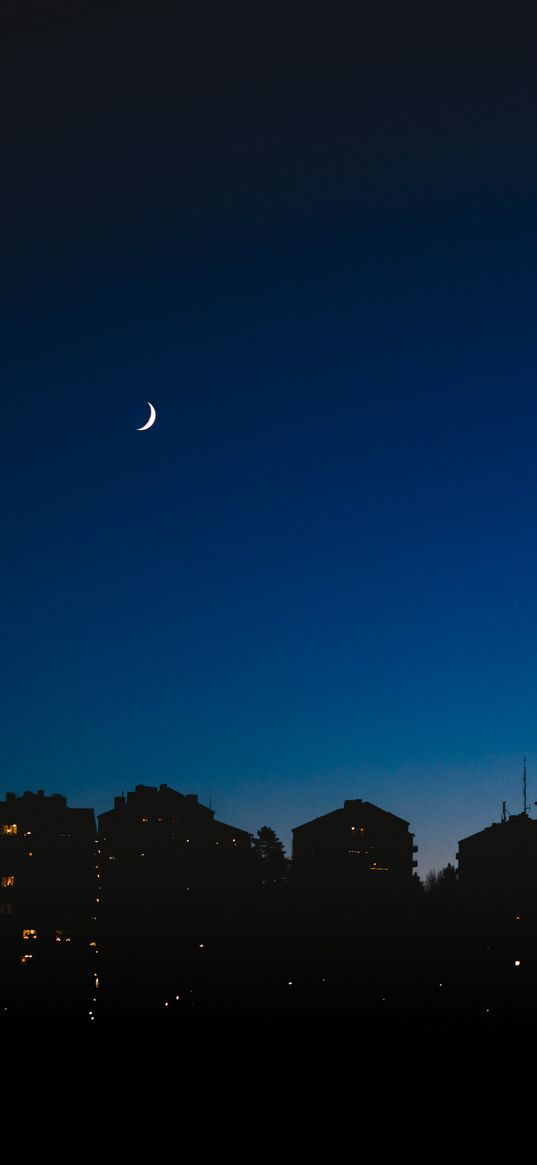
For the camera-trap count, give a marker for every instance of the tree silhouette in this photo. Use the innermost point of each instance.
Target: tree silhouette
(272, 865)
(442, 882)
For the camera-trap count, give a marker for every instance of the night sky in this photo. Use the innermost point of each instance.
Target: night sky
(309, 237)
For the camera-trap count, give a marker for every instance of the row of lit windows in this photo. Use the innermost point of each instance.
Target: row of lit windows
(188, 840)
(373, 865)
(29, 933)
(60, 936)
(7, 880)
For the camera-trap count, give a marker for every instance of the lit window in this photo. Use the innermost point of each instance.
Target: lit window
(8, 830)
(8, 880)
(29, 933)
(25, 959)
(63, 936)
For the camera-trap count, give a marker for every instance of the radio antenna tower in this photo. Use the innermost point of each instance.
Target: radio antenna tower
(524, 784)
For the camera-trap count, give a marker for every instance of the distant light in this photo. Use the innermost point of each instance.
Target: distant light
(290, 983)
(517, 962)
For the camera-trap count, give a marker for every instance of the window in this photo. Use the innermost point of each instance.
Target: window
(7, 880)
(25, 959)
(29, 933)
(63, 936)
(6, 908)
(8, 830)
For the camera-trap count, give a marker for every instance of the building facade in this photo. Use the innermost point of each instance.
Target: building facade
(47, 902)
(359, 849)
(499, 864)
(174, 882)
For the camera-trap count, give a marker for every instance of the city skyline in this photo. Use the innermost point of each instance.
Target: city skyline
(308, 238)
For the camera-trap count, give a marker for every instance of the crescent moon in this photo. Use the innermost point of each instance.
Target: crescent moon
(152, 419)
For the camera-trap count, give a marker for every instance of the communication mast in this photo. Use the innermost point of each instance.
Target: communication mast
(524, 784)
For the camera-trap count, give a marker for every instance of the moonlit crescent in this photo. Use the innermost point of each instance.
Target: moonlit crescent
(152, 418)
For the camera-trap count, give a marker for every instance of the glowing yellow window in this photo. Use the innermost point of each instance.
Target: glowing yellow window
(63, 936)
(29, 933)
(8, 830)
(7, 880)
(24, 959)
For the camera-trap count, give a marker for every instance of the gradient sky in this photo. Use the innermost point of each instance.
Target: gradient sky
(310, 238)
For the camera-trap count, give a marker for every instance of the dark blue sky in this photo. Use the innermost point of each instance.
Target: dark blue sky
(311, 241)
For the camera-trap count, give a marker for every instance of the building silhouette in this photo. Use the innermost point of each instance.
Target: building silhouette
(498, 865)
(357, 849)
(173, 884)
(168, 841)
(48, 893)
